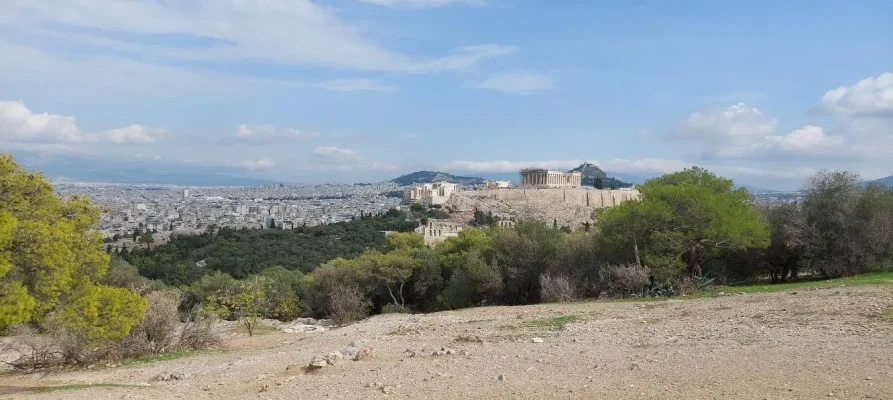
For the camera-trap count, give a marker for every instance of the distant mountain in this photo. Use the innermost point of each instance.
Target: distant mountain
(93, 170)
(419, 177)
(888, 181)
(592, 172)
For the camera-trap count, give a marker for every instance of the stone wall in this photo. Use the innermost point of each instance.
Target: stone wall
(569, 206)
(572, 195)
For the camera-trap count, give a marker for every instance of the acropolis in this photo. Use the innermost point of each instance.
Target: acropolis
(550, 179)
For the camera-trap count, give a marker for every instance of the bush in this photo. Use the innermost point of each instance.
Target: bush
(197, 333)
(556, 289)
(624, 280)
(157, 332)
(347, 304)
(394, 309)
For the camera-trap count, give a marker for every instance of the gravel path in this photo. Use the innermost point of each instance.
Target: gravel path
(821, 343)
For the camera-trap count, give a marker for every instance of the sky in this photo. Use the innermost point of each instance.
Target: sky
(766, 92)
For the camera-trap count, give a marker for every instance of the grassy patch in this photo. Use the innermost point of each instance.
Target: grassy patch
(167, 356)
(258, 330)
(880, 278)
(7, 373)
(75, 386)
(545, 324)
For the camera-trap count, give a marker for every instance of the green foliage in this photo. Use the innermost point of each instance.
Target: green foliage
(98, 312)
(244, 303)
(51, 260)
(241, 253)
(283, 290)
(847, 225)
(682, 217)
(404, 241)
(523, 254)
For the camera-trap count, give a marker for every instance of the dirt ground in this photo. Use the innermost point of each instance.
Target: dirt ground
(819, 343)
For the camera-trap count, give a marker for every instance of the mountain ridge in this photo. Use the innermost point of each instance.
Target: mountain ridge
(418, 177)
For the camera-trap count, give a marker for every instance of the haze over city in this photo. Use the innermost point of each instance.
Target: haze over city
(764, 92)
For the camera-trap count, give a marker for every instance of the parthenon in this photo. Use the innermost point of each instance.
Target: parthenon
(546, 178)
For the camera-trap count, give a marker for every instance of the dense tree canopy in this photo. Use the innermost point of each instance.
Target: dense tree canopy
(682, 217)
(241, 253)
(51, 260)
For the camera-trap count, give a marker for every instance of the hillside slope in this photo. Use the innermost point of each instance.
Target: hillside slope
(420, 177)
(811, 344)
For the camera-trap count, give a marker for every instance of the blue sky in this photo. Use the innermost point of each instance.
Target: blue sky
(767, 92)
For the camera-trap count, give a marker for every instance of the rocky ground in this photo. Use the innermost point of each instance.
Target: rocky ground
(820, 343)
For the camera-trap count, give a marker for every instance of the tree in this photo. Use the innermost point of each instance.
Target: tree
(403, 241)
(243, 303)
(682, 217)
(849, 227)
(522, 255)
(51, 260)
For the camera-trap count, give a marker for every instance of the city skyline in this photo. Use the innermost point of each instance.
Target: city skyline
(365, 90)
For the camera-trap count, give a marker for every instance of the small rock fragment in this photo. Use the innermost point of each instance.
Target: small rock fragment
(537, 340)
(500, 378)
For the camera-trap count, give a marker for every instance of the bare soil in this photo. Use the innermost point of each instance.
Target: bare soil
(820, 343)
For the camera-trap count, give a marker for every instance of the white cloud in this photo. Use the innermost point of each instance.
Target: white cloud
(336, 155)
(743, 131)
(134, 134)
(283, 31)
(422, 3)
(295, 133)
(264, 134)
(19, 124)
(735, 125)
(117, 76)
(255, 131)
(643, 133)
(809, 140)
(353, 85)
(644, 167)
(870, 96)
(516, 82)
(509, 166)
(263, 163)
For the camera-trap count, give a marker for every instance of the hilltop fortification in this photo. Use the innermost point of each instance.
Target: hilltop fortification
(568, 206)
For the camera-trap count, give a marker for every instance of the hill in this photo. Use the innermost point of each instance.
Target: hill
(592, 172)
(581, 350)
(133, 171)
(419, 177)
(888, 181)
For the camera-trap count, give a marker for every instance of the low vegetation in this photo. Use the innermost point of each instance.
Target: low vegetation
(78, 305)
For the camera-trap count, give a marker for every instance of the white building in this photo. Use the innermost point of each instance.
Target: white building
(496, 184)
(430, 193)
(539, 177)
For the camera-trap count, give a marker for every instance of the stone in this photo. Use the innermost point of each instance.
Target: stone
(350, 352)
(387, 389)
(500, 378)
(537, 340)
(333, 357)
(173, 376)
(364, 354)
(444, 351)
(319, 361)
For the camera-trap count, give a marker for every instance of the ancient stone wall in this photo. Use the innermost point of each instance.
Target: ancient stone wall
(569, 206)
(574, 196)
